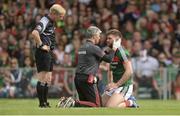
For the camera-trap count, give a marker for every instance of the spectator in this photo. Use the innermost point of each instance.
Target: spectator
(31, 90)
(147, 45)
(173, 71)
(145, 68)
(59, 54)
(27, 74)
(4, 59)
(177, 87)
(2, 22)
(137, 37)
(7, 88)
(67, 62)
(74, 53)
(177, 33)
(136, 49)
(167, 47)
(163, 60)
(129, 29)
(141, 26)
(15, 75)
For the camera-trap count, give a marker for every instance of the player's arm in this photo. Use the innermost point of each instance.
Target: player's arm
(110, 76)
(127, 66)
(127, 74)
(40, 27)
(110, 84)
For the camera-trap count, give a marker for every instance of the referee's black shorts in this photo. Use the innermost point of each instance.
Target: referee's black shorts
(44, 60)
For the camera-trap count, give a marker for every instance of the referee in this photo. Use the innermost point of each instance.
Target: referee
(89, 59)
(44, 36)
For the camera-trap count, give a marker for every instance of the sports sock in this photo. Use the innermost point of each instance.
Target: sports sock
(39, 88)
(45, 93)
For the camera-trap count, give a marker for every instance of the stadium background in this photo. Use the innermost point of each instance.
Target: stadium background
(151, 30)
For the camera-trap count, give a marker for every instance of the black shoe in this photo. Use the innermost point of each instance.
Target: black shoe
(47, 104)
(42, 106)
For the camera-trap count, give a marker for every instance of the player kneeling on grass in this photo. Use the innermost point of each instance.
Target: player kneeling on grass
(118, 92)
(89, 58)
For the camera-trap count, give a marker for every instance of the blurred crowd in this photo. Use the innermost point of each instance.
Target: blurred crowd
(151, 30)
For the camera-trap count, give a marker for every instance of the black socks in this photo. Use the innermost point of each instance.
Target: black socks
(42, 93)
(39, 89)
(45, 93)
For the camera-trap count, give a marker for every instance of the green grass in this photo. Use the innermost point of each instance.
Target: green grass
(29, 107)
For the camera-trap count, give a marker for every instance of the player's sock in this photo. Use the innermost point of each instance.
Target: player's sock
(46, 94)
(132, 99)
(39, 88)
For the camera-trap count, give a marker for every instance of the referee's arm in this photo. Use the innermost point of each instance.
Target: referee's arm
(36, 37)
(40, 27)
(40, 45)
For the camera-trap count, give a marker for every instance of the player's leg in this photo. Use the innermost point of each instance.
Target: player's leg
(115, 100)
(105, 98)
(47, 84)
(40, 87)
(43, 63)
(115, 97)
(80, 84)
(120, 96)
(48, 78)
(87, 90)
(126, 92)
(125, 104)
(90, 93)
(129, 100)
(79, 91)
(131, 103)
(49, 67)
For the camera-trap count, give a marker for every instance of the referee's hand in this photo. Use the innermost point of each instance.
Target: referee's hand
(45, 48)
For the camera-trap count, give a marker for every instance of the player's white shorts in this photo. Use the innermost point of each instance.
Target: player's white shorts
(125, 90)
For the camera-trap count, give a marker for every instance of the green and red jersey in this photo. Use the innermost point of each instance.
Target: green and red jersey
(117, 67)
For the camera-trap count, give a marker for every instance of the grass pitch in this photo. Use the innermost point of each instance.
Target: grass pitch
(30, 107)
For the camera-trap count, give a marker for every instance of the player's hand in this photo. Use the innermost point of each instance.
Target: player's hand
(116, 44)
(111, 86)
(45, 48)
